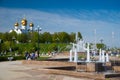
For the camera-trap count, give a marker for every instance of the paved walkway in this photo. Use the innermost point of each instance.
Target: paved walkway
(8, 70)
(14, 70)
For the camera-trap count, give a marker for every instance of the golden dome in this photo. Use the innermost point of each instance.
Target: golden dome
(24, 22)
(16, 24)
(31, 24)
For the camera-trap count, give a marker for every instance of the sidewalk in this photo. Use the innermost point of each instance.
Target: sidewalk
(15, 70)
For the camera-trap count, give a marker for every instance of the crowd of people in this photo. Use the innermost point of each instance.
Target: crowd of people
(31, 56)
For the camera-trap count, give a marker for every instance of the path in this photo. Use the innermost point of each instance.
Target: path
(14, 70)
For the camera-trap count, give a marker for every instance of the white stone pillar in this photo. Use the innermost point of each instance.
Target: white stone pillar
(76, 36)
(70, 57)
(88, 53)
(103, 56)
(78, 47)
(16, 27)
(73, 47)
(107, 57)
(100, 55)
(75, 56)
(23, 27)
(94, 53)
(31, 28)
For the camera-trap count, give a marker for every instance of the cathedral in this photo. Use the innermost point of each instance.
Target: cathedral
(23, 28)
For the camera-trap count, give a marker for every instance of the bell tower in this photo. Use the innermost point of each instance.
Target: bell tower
(24, 25)
(16, 25)
(31, 25)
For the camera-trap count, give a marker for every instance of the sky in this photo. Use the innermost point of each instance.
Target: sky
(98, 19)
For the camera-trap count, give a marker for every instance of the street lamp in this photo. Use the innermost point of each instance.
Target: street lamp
(57, 44)
(13, 39)
(38, 29)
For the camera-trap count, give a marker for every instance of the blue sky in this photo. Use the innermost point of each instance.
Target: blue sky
(85, 16)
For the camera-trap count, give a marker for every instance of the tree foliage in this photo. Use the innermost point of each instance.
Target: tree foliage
(79, 35)
(33, 37)
(10, 40)
(72, 37)
(22, 38)
(63, 37)
(101, 46)
(47, 38)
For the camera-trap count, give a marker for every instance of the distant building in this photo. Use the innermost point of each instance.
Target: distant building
(23, 28)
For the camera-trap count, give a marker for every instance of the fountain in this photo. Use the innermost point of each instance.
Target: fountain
(70, 55)
(88, 53)
(100, 55)
(75, 56)
(75, 66)
(79, 47)
(107, 57)
(103, 56)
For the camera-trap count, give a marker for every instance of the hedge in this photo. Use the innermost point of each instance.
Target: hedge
(5, 58)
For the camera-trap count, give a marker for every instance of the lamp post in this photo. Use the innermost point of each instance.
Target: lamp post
(57, 44)
(13, 38)
(38, 29)
(102, 44)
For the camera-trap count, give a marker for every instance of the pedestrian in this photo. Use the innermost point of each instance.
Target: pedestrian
(32, 55)
(36, 55)
(26, 55)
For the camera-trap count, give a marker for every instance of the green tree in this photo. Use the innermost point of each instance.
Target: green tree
(6, 46)
(47, 37)
(1, 36)
(63, 37)
(34, 37)
(7, 37)
(23, 38)
(72, 37)
(54, 37)
(101, 46)
(79, 35)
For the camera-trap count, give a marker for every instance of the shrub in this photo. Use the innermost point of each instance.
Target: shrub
(3, 58)
(42, 58)
(19, 58)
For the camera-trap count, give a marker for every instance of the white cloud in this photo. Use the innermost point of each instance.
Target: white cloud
(84, 21)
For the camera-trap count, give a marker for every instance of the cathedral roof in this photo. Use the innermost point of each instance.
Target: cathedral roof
(16, 24)
(31, 24)
(24, 22)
